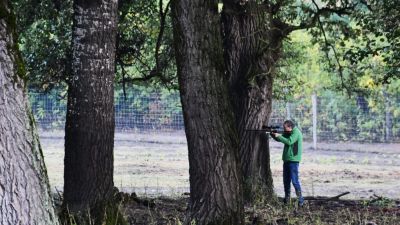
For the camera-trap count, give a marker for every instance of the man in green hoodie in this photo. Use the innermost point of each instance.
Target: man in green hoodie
(291, 156)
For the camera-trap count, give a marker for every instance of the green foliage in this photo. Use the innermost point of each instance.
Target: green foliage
(301, 70)
(356, 38)
(380, 201)
(361, 43)
(144, 57)
(379, 27)
(45, 29)
(45, 38)
(360, 116)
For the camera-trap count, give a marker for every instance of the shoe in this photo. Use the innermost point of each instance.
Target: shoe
(286, 200)
(301, 202)
(300, 199)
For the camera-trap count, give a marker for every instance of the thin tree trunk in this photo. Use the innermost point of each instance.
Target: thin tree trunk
(24, 186)
(252, 48)
(215, 178)
(89, 129)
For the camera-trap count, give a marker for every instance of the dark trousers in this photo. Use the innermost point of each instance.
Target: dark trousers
(291, 175)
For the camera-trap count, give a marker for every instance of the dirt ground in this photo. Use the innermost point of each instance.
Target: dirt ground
(151, 171)
(154, 165)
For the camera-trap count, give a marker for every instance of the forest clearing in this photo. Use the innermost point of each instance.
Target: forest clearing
(199, 112)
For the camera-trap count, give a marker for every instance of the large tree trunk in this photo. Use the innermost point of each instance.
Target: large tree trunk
(215, 178)
(89, 129)
(252, 48)
(24, 185)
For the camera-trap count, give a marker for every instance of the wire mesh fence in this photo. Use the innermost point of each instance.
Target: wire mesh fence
(326, 117)
(139, 110)
(339, 118)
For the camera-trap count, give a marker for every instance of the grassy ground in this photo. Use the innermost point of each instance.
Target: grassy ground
(168, 211)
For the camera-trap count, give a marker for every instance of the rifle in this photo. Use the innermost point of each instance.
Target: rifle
(270, 129)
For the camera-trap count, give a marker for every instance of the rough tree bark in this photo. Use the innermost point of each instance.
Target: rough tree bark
(24, 185)
(252, 42)
(215, 178)
(89, 129)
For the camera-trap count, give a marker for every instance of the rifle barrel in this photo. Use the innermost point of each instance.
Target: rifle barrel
(269, 131)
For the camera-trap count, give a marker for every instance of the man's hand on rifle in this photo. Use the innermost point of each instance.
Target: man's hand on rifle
(275, 134)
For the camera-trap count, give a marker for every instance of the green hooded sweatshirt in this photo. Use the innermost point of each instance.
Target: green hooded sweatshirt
(293, 145)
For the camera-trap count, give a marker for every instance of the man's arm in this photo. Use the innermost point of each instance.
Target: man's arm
(294, 136)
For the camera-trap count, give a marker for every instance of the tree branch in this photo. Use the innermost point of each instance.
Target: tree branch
(148, 76)
(163, 16)
(367, 5)
(321, 12)
(274, 8)
(333, 49)
(155, 71)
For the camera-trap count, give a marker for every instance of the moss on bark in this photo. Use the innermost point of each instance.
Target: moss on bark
(8, 15)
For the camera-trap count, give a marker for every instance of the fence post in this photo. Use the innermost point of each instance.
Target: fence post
(388, 117)
(314, 121)
(288, 116)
